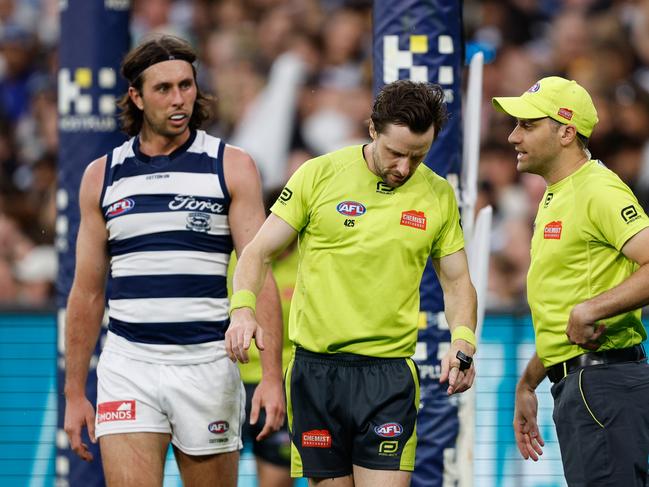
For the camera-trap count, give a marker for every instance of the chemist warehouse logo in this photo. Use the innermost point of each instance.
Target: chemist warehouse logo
(552, 230)
(414, 219)
(86, 99)
(316, 439)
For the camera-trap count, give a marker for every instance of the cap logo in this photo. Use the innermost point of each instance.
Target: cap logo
(565, 113)
(534, 88)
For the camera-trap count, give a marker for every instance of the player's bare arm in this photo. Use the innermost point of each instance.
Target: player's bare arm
(584, 328)
(85, 309)
(460, 307)
(246, 216)
(526, 430)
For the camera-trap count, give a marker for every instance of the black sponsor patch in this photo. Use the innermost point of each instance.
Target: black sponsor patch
(286, 195)
(629, 213)
(547, 200)
(383, 188)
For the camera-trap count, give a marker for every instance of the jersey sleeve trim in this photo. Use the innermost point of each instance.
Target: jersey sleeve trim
(219, 163)
(105, 183)
(285, 217)
(632, 232)
(451, 249)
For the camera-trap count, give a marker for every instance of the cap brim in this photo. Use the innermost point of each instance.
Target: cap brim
(517, 107)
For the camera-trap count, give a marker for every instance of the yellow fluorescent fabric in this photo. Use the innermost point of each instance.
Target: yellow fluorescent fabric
(362, 251)
(582, 224)
(563, 100)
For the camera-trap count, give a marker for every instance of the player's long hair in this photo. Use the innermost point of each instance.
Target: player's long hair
(158, 49)
(417, 105)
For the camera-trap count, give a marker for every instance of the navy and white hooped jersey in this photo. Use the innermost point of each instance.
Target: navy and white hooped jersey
(169, 244)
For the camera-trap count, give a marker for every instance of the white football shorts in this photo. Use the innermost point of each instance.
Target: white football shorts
(201, 406)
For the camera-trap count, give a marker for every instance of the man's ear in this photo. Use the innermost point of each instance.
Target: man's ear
(373, 133)
(569, 133)
(136, 97)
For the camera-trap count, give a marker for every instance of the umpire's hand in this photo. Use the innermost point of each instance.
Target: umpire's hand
(526, 430)
(582, 330)
(243, 328)
(459, 378)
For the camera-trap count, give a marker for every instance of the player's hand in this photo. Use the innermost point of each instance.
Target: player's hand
(243, 327)
(582, 330)
(269, 395)
(79, 413)
(528, 438)
(458, 381)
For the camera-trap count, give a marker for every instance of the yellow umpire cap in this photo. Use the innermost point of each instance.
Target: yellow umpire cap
(563, 100)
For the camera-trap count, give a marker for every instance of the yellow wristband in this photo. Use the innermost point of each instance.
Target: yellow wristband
(243, 298)
(464, 333)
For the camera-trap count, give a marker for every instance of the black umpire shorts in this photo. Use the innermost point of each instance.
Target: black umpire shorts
(346, 409)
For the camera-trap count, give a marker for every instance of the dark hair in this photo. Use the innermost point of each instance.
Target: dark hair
(413, 104)
(153, 51)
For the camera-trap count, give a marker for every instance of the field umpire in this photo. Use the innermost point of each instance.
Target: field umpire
(587, 281)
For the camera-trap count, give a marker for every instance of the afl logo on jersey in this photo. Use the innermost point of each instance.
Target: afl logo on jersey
(351, 208)
(389, 430)
(120, 207)
(219, 427)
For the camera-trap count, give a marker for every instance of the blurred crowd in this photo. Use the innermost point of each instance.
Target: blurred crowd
(293, 78)
(28, 150)
(603, 45)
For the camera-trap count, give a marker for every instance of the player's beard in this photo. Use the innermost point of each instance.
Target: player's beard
(384, 174)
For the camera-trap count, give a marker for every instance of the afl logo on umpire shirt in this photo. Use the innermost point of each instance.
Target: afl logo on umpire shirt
(351, 208)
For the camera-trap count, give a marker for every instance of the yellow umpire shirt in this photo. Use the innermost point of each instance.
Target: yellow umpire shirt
(582, 224)
(362, 251)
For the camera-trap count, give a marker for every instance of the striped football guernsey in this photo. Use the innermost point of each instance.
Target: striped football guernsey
(169, 244)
